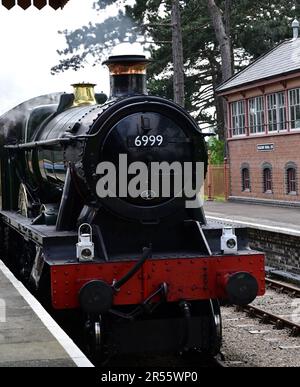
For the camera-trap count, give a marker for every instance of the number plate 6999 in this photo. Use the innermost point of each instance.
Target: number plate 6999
(146, 141)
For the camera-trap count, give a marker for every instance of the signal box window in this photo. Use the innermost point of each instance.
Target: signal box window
(246, 180)
(291, 181)
(267, 177)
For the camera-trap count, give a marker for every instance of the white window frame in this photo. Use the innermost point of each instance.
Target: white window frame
(277, 106)
(256, 114)
(238, 118)
(294, 105)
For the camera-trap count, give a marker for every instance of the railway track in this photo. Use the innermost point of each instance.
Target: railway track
(280, 287)
(219, 362)
(269, 317)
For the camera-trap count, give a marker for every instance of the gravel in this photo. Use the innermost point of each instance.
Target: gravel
(249, 343)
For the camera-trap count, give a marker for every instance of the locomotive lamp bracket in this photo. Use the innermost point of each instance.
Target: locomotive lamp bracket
(85, 248)
(229, 241)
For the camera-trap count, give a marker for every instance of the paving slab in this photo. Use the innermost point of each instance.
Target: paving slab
(29, 337)
(264, 217)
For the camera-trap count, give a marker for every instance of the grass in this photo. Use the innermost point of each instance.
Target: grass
(220, 199)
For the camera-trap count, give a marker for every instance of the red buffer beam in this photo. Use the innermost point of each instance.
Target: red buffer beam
(56, 4)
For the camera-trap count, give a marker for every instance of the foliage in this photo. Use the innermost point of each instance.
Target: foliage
(256, 26)
(216, 148)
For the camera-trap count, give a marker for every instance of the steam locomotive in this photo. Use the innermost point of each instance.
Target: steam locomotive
(145, 271)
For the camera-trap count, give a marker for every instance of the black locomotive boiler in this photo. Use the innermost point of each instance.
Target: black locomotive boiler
(146, 271)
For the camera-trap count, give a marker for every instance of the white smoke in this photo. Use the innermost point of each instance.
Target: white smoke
(10, 122)
(28, 51)
(127, 48)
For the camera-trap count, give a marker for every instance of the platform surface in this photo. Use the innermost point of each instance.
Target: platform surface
(269, 218)
(29, 337)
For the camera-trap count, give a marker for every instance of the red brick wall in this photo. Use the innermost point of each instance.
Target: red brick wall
(244, 150)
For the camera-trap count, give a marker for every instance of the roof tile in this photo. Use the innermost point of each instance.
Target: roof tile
(282, 59)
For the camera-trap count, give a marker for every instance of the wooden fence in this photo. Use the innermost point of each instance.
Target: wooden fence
(217, 182)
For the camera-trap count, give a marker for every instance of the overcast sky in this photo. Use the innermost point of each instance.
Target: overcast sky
(28, 44)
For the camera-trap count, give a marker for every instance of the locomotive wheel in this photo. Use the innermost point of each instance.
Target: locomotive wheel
(97, 329)
(216, 327)
(93, 331)
(210, 328)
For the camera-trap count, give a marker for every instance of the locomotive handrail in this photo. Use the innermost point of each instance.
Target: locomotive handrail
(81, 227)
(209, 134)
(37, 144)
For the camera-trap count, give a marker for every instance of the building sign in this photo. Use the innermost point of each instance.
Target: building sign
(36, 3)
(265, 147)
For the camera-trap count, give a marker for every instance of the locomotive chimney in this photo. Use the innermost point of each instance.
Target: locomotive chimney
(127, 75)
(84, 94)
(295, 26)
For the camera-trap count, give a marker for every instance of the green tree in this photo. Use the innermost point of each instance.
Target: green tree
(216, 148)
(252, 26)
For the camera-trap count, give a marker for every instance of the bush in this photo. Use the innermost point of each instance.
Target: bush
(217, 149)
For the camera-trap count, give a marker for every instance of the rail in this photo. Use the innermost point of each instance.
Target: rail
(271, 318)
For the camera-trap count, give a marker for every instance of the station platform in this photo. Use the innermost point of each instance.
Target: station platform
(261, 217)
(29, 337)
(273, 230)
